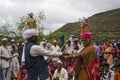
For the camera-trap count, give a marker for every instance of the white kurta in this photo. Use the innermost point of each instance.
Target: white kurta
(69, 49)
(63, 75)
(55, 48)
(108, 74)
(45, 57)
(38, 50)
(15, 62)
(5, 53)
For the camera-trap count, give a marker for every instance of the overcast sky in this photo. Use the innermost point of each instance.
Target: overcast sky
(58, 12)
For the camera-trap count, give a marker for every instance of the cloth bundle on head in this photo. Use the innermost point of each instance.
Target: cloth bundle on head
(29, 33)
(85, 31)
(32, 31)
(31, 21)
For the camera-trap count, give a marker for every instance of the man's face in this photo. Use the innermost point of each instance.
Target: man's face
(69, 43)
(115, 61)
(84, 42)
(106, 68)
(35, 39)
(104, 62)
(55, 43)
(44, 44)
(75, 42)
(59, 65)
(119, 69)
(4, 42)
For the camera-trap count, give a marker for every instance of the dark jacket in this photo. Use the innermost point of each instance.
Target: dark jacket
(36, 66)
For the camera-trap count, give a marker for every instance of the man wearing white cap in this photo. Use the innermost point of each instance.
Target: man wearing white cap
(14, 61)
(35, 63)
(71, 38)
(60, 73)
(55, 47)
(5, 60)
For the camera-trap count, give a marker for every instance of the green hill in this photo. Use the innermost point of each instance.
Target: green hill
(103, 25)
(106, 21)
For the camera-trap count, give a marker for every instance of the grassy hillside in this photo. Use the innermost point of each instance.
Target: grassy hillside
(105, 25)
(106, 21)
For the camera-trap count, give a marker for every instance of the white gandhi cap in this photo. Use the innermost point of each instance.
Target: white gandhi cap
(4, 39)
(59, 61)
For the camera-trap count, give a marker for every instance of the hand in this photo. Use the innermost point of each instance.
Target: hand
(23, 65)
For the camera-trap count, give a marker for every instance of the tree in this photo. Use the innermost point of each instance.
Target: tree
(21, 26)
(7, 30)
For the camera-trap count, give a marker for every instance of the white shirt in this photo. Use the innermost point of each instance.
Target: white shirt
(5, 53)
(69, 49)
(55, 48)
(41, 43)
(38, 50)
(111, 74)
(45, 57)
(63, 75)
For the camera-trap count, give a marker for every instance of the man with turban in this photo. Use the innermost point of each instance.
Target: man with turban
(34, 56)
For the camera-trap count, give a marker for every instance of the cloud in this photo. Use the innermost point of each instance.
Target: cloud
(58, 12)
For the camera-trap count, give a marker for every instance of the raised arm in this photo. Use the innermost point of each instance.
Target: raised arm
(38, 50)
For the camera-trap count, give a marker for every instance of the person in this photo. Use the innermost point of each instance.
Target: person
(60, 73)
(34, 56)
(43, 40)
(71, 38)
(55, 46)
(97, 48)
(117, 73)
(0, 73)
(14, 61)
(62, 39)
(44, 46)
(0, 67)
(118, 49)
(109, 75)
(108, 53)
(68, 48)
(87, 64)
(76, 46)
(115, 64)
(5, 60)
(103, 62)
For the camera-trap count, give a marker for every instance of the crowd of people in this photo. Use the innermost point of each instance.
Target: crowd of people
(108, 54)
(78, 58)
